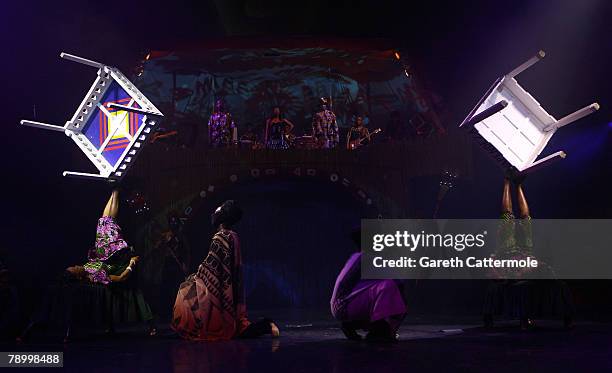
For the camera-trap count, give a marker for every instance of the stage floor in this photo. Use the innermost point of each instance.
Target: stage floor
(320, 347)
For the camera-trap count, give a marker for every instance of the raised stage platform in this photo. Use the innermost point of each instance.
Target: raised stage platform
(378, 174)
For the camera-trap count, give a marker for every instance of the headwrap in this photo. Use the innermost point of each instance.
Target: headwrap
(227, 214)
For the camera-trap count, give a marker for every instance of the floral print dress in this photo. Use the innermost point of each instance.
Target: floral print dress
(110, 255)
(325, 127)
(220, 129)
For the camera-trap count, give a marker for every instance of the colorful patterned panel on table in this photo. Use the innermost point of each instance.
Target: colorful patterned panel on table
(112, 130)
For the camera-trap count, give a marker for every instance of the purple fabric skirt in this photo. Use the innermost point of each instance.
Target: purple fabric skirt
(366, 300)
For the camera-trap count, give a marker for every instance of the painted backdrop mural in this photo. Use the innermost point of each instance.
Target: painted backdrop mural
(252, 79)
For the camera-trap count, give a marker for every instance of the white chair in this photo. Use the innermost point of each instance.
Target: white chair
(111, 125)
(513, 126)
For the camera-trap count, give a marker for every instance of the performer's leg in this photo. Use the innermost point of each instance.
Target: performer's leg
(112, 206)
(349, 328)
(506, 198)
(522, 202)
(388, 311)
(107, 207)
(259, 328)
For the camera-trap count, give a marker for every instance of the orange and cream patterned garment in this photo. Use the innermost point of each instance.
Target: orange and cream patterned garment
(210, 304)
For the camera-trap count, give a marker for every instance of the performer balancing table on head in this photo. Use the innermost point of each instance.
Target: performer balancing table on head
(110, 263)
(324, 126)
(221, 126)
(210, 304)
(523, 299)
(277, 130)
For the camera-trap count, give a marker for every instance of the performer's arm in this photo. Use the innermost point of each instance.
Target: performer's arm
(367, 134)
(126, 272)
(316, 125)
(335, 129)
(348, 138)
(266, 131)
(290, 126)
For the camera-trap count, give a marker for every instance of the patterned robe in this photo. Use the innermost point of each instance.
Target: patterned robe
(324, 127)
(210, 304)
(220, 129)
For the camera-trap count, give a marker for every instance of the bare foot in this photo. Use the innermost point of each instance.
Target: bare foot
(275, 330)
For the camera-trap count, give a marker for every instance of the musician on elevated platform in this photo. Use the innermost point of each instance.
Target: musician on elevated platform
(278, 130)
(358, 135)
(325, 127)
(221, 126)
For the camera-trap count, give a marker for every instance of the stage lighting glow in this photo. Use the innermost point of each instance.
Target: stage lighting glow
(397, 56)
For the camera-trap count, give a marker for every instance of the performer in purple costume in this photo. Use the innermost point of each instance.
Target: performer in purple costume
(375, 306)
(220, 126)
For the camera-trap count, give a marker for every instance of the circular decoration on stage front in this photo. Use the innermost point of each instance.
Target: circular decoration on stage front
(206, 195)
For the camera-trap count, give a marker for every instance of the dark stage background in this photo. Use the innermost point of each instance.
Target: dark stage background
(459, 49)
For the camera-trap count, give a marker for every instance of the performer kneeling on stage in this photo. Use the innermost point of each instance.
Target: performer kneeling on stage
(111, 259)
(376, 306)
(210, 304)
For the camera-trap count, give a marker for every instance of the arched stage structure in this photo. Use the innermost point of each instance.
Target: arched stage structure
(289, 198)
(379, 175)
